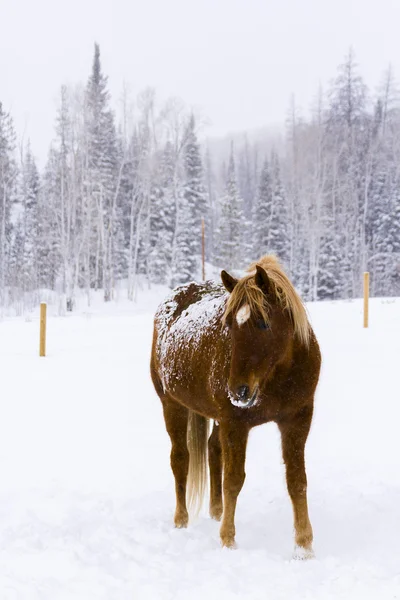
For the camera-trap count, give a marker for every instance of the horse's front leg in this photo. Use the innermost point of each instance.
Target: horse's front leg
(233, 438)
(294, 434)
(215, 463)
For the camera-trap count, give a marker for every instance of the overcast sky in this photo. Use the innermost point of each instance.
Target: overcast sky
(236, 60)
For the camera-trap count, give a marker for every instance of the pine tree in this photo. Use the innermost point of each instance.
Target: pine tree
(129, 189)
(210, 182)
(247, 178)
(262, 213)
(194, 190)
(394, 240)
(29, 198)
(329, 280)
(15, 260)
(49, 258)
(191, 208)
(102, 177)
(229, 232)
(185, 263)
(163, 217)
(63, 202)
(385, 260)
(278, 235)
(8, 190)
(377, 223)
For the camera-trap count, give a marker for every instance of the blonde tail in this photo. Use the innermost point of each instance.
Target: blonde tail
(197, 443)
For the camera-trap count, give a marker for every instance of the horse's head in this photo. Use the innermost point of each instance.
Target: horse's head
(262, 330)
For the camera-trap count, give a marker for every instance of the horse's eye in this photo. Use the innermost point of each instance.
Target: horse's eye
(261, 324)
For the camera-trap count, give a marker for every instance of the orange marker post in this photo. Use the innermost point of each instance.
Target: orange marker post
(366, 298)
(43, 317)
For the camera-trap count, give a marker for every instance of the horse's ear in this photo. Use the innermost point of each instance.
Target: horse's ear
(228, 281)
(262, 279)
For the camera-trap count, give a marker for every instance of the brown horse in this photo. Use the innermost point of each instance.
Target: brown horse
(242, 359)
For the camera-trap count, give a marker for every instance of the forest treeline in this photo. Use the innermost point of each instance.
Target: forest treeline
(122, 199)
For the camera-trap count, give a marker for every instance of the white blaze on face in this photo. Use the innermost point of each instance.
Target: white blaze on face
(243, 314)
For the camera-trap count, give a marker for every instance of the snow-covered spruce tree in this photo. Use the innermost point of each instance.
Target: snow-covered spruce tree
(48, 242)
(385, 261)
(329, 272)
(247, 177)
(29, 200)
(185, 261)
(262, 213)
(377, 223)
(382, 216)
(15, 260)
(228, 239)
(135, 184)
(394, 240)
(63, 199)
(163, 216)
(102, 177)
(191, 205)
(129, 191)
(210, 183)
(119, 252)
(8, 190)
(194, 189)
(278, 234)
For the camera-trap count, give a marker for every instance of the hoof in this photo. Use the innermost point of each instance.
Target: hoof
(181, 521)
(228, 543)
(216, 513)
(227, 536)
(301, 553)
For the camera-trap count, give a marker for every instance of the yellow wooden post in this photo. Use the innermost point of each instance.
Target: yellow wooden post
(203, 251)
(366, 298)
(43, 311)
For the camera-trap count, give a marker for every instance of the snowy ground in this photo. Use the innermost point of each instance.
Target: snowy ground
(86, 493)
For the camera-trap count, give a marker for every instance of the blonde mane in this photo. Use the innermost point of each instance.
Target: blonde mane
(246, 291)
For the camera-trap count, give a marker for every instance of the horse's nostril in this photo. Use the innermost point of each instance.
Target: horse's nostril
(243, 392)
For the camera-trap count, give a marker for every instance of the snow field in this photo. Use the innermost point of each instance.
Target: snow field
(87, 495)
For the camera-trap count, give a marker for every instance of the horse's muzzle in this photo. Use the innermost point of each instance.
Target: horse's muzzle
(242, 397)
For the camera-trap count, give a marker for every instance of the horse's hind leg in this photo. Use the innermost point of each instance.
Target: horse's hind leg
(176, 421)
(294, 436)
(215, 463)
